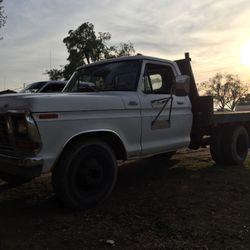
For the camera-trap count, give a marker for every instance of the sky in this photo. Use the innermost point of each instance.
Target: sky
(215, 32)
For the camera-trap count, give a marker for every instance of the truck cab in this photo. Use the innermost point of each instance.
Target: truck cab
(152, 110)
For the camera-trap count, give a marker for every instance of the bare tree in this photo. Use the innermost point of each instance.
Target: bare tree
(227, 90)
(123, 49)
(54, 74)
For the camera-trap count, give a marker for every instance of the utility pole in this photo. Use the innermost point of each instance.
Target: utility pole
(4, 83)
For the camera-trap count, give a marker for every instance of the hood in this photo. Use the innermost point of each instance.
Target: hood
(61, 102)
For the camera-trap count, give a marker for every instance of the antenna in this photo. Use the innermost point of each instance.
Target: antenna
(50, 59)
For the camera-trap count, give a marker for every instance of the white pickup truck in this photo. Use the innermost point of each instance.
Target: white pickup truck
(116, 109)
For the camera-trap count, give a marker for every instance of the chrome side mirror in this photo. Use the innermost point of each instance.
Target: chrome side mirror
(181, 85)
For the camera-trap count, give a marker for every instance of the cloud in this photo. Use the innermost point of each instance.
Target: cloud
(211, 30)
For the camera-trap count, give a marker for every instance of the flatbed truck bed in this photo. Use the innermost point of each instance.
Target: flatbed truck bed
(220, 118)
(226, 133)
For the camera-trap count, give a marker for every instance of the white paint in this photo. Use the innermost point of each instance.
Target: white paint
(80, 113)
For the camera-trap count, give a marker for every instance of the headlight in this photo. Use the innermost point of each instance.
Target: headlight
(24, 132)
(19, 124)
(22, 128)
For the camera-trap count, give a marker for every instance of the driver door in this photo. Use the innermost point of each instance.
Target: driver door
(166, 118)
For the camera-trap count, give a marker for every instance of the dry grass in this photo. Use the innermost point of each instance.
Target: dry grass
(185, 203)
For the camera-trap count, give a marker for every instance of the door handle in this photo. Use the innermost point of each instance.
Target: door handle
(132, 103)
(180, 103)
(160, 102)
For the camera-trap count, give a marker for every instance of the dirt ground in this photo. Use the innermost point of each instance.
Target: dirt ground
(185, 203)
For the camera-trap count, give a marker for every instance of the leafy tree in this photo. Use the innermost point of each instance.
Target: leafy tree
(2, 16)
(54, 74)
(86, 43)
(227, 90)
(85, 46)
(75, 60)
(123, 49)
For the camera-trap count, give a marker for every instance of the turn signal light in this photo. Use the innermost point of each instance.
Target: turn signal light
(48, 116)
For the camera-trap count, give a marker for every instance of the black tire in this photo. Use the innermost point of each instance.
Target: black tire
(230, 146)
(236, 145)
(85, 175)
(216, 147)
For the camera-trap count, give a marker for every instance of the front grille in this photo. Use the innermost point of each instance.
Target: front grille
(4, 136)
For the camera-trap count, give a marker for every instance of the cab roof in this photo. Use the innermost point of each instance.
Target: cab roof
(127, 58)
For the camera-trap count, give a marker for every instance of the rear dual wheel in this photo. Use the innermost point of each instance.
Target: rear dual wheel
(230, 146)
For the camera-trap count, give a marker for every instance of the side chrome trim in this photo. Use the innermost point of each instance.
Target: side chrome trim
(28, 167)
(21, 161)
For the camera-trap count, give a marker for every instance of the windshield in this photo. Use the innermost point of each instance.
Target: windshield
(33, 87)
(114, 76)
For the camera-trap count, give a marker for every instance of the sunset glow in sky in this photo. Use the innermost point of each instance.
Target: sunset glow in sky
(245, 54)
(215, 32)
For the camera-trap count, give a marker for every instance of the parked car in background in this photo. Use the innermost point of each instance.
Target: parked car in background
(44, 87)
(8, 91)
(244, 104)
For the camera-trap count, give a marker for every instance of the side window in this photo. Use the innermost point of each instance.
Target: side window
(158, 79)
(53, 87)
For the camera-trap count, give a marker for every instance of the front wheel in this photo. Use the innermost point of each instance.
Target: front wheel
(85, 175)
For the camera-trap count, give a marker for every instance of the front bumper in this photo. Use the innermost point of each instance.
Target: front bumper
(28, 167)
